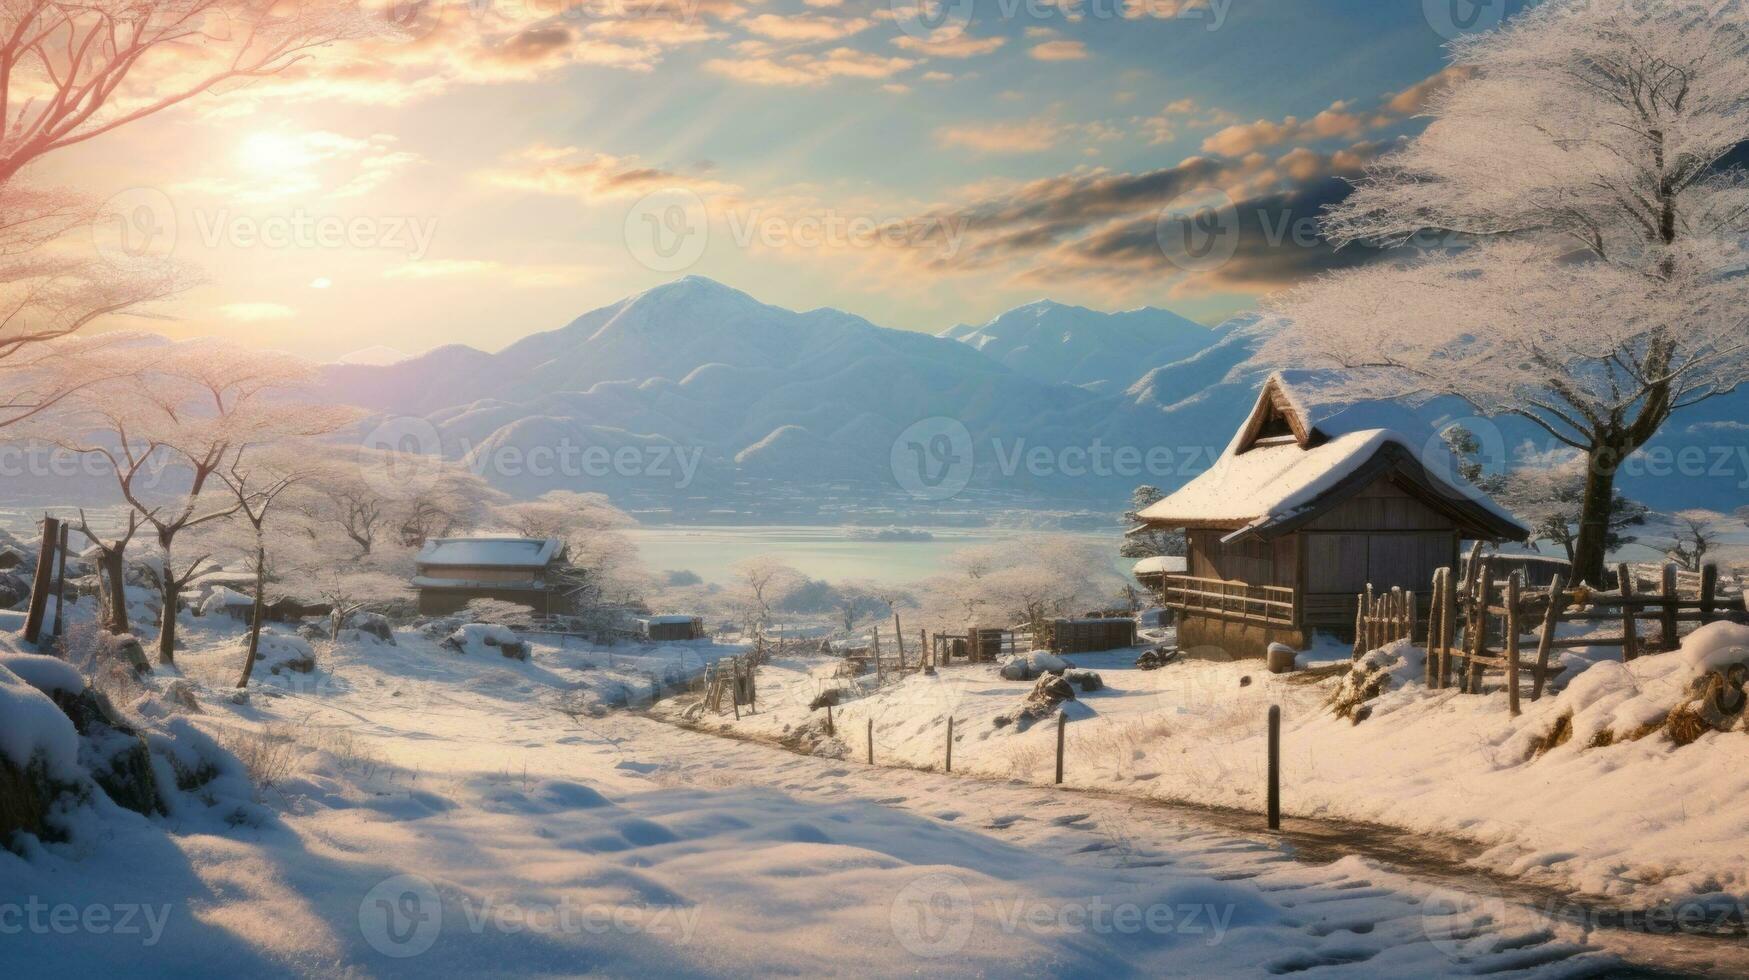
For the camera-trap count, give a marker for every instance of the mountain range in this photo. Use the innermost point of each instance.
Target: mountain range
(699, 371)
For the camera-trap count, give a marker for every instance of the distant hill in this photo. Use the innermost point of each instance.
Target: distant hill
(740, 389)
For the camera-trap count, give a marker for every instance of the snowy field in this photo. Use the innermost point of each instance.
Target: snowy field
(1641, 823)
(422, 813)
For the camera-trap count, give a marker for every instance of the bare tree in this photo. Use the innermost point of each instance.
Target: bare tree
(759, 585)
(1590, 230)
(1696, 534)
(70, 72)
(194, 411)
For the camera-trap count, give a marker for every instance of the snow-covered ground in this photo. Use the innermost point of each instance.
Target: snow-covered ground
(1641, 822)
(428, 813)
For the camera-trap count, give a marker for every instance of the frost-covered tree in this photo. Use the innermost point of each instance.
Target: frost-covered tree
(1142, 541)
(602, 560)
(187, 413)
(1591, 227)
(758, 584)
(1548, 496)
(1028, 580)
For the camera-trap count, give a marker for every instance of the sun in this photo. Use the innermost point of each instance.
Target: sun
(269, 153)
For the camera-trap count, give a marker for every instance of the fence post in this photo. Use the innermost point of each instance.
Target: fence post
(1514, 594)
(1430, 671)
(1275, 767)
(42, 580)
(1546, 642)
(950, 743)
(1630, 636)
(899, 639)
(871, 741)
(1062, 720)
(925, 654)
(61, 585)
(1359, 625)
(1479, 602)
(1670, 597)
(1448, 628)
(831, 729)
(875, 648)
(1709, 592)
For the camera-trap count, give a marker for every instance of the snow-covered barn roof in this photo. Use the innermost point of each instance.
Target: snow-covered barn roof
(1295, 456)
(489, 552)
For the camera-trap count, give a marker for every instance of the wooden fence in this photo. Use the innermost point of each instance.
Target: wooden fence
(1382, 620)
(1261, 605)
(1498, 616)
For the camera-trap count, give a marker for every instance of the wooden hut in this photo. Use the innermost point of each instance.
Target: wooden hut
(1308, 505)
(455, 571)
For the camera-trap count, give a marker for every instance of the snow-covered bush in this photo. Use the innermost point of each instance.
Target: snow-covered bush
(282, 653)
(1377, 671)
(482, 638)
(1029, 666)
(1682, 695)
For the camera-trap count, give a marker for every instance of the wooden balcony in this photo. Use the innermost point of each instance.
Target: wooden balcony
(1271, 606)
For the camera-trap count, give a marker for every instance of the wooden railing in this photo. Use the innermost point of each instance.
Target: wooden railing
(1262, 605)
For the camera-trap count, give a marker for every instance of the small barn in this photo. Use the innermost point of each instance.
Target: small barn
(455, 571)
(1309, 504)
(670, 628)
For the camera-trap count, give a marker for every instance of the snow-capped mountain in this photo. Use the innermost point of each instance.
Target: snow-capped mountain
(689, 386)
(1102, 352)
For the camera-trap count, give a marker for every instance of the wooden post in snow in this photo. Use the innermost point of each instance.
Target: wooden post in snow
(871, 741)
(950, 743)
(42, 580)
(899, 640)
(830, 728)
(1670, 597)
(1709, 592)
(1630, 634)
(1478, 630)
(1274, 791)
(1546, 643)
(1447, 625)
(1360, 614)
(61, 585)
(875, 648)
(1062, 721)
(1514, 595)
(925, 656)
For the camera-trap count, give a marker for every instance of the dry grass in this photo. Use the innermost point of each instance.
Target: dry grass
(268, 754)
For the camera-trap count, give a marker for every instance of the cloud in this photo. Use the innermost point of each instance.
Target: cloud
(274, 164)
(571, 172)
(256, 312)
(798, 69)
(1059, 51)
(799, 27)
(1334, 122)
(1024, 136)
(1099, 225)
(949, 43)
(1416, 98)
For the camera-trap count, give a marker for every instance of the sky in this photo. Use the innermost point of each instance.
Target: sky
(494, 168)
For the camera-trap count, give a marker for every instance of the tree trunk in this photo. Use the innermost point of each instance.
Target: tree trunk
(168, 592)
(257, 615)
(112, 572)
(1589, 552)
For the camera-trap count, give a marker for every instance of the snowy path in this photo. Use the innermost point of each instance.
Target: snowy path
(500, 837)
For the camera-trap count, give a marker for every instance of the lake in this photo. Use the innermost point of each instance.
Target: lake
(832, 553)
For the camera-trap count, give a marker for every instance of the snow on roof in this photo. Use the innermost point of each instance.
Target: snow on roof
(490, 552)
(1161, 565)
(1274, 480)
